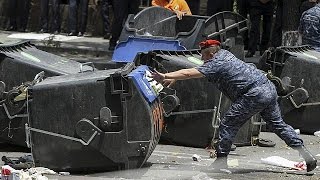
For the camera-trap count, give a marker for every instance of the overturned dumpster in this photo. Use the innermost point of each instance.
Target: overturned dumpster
(196, 120)
(74, 117)
(295, 71)
(100, 120)
(19, 65)
(157, 28)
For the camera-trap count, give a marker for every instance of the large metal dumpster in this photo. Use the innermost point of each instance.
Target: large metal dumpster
(298, 81)
(196, 122)
(94, 121)
(156, 28)
(20, 63)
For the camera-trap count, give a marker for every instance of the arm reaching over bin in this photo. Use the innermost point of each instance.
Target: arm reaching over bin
(180, 7)
(250, 91)
(177, 75)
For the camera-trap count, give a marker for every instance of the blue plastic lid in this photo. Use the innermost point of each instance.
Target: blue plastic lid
(127, 51)
(147, 86)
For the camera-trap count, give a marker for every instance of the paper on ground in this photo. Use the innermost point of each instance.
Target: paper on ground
(42, 36)
(280, 161)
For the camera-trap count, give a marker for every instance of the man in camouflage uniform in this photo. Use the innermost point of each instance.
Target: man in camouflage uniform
(250, 91)
(309, 27)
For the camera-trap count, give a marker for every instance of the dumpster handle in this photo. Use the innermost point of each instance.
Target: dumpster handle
(189, 112)
(28, 129)
(303, 104)
(14, 116)
(87, 63)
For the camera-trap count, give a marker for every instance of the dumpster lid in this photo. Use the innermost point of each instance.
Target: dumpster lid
(149, 88)
(127, 51)
(26, 52)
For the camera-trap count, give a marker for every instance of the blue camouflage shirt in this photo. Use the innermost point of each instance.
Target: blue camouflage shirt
(232, 76)
(310, 27)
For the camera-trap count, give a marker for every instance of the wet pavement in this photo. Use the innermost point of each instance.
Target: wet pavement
(175, 162)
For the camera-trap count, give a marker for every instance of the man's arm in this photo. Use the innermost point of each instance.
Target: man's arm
(177, 75)
(184, 74)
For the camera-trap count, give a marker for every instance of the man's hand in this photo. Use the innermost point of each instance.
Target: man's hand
(169, 82)
(159, 77)
(180, 14)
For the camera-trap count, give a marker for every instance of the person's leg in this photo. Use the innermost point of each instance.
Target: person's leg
(44, 4)
(105, 18)
(227, 5)
(12, 24)
(73, 17)
(267, 25)
(265, 39)
(194, 6)
(241, 110)
(25, 15)
(56, 16)
(214, 6)
(242, 8)
(133, 7)
(276, 38)
(255, 17)
(83, 16)
(120, 12)
(272, 116)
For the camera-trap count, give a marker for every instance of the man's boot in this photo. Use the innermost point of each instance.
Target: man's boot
(308, 157)
(220, 163)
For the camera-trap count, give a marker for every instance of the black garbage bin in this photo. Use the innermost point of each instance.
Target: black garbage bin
(157, 28)
(20, 63)
(196, 121)
(298, 71)
(94, 121)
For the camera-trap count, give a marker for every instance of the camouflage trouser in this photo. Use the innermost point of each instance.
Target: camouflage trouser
(261, 99)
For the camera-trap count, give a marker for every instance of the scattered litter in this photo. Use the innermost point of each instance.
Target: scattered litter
(297, 131)
(6, 171)
(64, 173)
(23, 162)
(317, 133)
(41, 170)
(318, 155)
(196, 157)
(282, 162)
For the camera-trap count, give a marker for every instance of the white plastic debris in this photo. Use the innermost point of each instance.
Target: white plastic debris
(196, 157)
(41, 170)
(297, 131)
(6, 171)
(282, 162)
(317, 133)
(64, 173)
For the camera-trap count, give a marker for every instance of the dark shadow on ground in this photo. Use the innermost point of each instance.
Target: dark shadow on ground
(5, 147)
